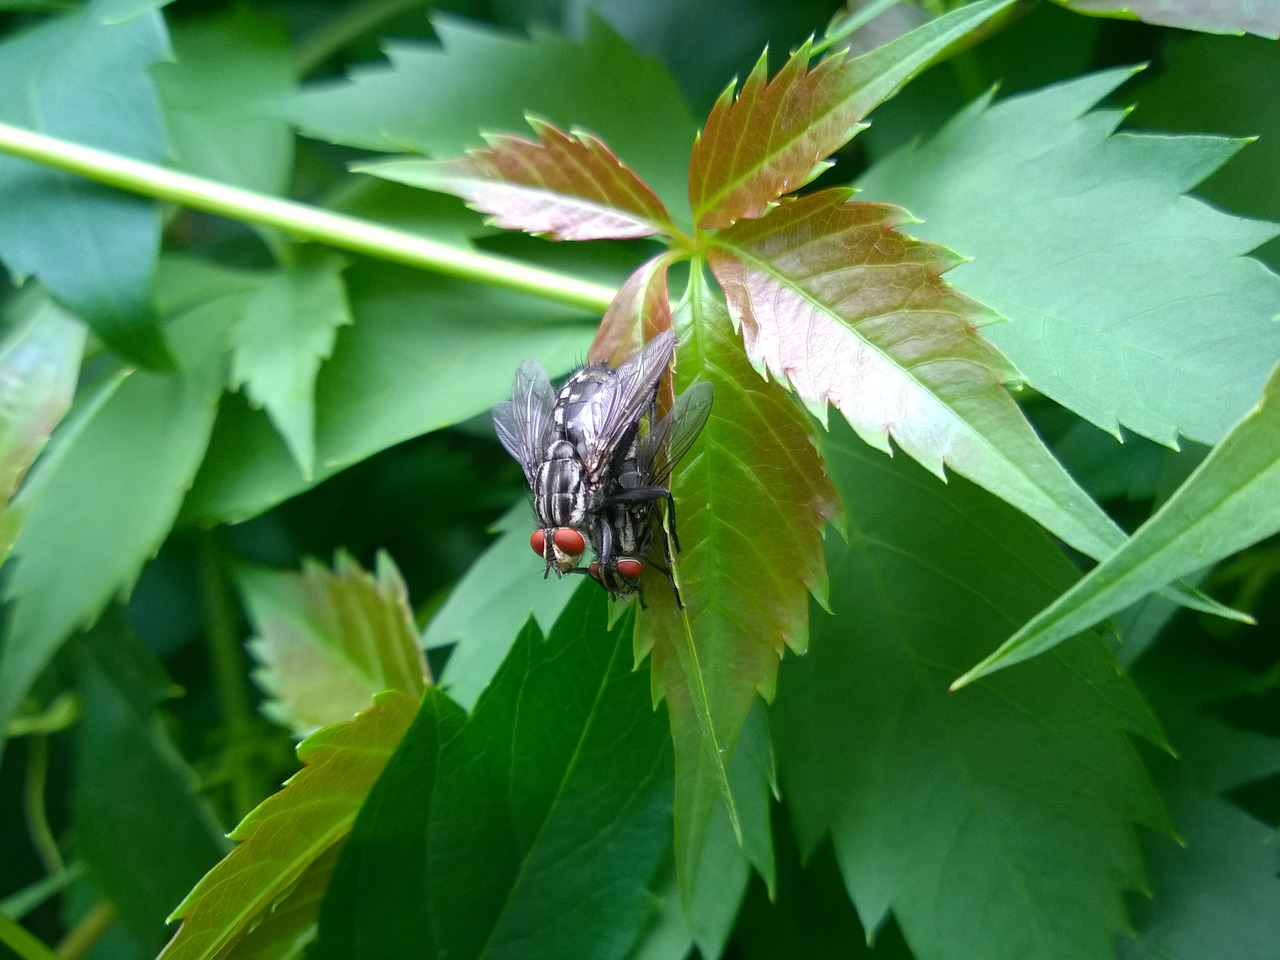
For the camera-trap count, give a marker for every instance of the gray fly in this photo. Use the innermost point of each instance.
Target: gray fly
(570, 444)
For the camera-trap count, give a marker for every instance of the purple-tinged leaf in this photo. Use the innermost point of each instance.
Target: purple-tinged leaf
(1212, 16)
(835, 302)
(640, 311)
(563, 186)
(775, 136)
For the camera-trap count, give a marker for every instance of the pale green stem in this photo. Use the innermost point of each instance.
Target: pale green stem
(22, 942)
(310, 223)
(37, 818)
(80, 940)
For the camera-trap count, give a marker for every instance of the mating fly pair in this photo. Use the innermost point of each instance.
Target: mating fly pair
(597, 459)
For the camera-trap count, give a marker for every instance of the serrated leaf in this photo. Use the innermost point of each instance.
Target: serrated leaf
(638, 313)
(564, 186)
(994, 823)
(85, 79)
(529, 829)
(1229, 502)
(775, 136)
(39, 366)
(216, 94)
(287, 844)
(752, 478)
(833, 301)
(430, 99)
(327, 641)
(487, 608)
(423, 353)
(128, 769)
(104, 496)
(288, 328)
(1117, 285)
(1212, 16)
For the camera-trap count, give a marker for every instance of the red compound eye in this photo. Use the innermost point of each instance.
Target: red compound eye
(631, 569)
(539, 543)
(569, 541)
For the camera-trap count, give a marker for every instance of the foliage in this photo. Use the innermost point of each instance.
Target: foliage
(956, 338)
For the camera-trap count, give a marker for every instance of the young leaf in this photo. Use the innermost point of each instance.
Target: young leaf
(1116, 284)
(328, 641)
(529, 829)
(489, 605)
(837, 304)
(81, 77)
(288, 328)
(994, 823)
(424, 353)
(752, 500)
(1212, 16)
(129, 770)
(106, 494)
(640, 311)
(216, 95)
(1231, 501)
(774, 137)
(563, 186)
(432, 99)
(39, 365)
(287, 845)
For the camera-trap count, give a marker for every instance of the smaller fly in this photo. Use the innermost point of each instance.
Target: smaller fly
(639, 484)
(569, 444)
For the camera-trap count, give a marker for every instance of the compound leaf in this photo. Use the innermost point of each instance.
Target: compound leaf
(753, 498)
(997, 822)
(1117, 285)
(287, 846)
(530, 828)
(327, 641)
(774, 137)
(84, 77)
(1229, 502)
(564, 186)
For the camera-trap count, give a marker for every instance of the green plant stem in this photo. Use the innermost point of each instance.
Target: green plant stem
(81, 938)
(229, 675)
(351, 24)
(20, 941)
(310, 223)
(33, 800)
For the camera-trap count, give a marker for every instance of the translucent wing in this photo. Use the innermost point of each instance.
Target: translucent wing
(524, 422)
(665, 445)
(614, 412)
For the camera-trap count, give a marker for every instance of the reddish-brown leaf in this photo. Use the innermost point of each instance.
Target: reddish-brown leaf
(640, 311)
(751, 500)
(563, 186)
(848, 311)
(775, 136)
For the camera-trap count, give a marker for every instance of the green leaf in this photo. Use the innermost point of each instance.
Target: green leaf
(327, 641)
(104, 496)
(753, 477)
(423, 353)
(1214, 893)
(842, 308)
(128, 770)
(1117, 285)
(488, 606)
(39, 366)
(1231, 501)
(85, 79)
(1212, 16)
(529, 829)
(288, 328)
(268, 888)
(776, 135)
(993, 823)
(563, 186)
(216, 95)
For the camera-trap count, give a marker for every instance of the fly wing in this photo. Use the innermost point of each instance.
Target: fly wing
(524, 422)
(615, 412)
(658, 451)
